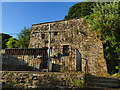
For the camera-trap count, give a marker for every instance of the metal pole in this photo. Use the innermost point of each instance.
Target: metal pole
(49, 68)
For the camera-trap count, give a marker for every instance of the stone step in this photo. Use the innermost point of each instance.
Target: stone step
(95, 87)
(109, 85)
(100, 88)
(103, 80)
(44, 70)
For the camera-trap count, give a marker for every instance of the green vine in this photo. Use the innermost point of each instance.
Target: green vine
(105, 21)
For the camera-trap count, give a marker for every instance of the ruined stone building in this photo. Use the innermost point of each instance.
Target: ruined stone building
(78, 47)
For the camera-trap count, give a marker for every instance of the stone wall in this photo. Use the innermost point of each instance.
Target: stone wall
(77, 36)
(27, 79)
(20, 62)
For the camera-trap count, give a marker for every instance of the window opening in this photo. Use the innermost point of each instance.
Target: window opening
(66, 50)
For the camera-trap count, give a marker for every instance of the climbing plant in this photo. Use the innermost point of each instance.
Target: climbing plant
(105, 20)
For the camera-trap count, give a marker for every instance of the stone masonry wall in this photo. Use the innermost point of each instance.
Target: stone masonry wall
(15, 62)
(77, 36)
(20, 62)
(28, 79)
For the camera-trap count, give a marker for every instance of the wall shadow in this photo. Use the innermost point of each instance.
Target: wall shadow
(86, 65)
(10, 63)
(79, 60)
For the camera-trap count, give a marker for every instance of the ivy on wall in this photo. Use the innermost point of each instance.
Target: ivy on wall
(105, 20)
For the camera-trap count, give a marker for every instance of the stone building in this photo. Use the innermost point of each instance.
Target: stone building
(80, 50)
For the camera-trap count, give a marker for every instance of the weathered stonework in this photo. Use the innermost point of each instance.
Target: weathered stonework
(20, 62)
(78, 37)
(28, 79)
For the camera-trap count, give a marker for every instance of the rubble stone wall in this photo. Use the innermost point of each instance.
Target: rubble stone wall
(28, 79)
(76, 34)
(20, 62)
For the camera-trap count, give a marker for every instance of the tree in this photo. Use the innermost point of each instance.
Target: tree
(23, 38)
(12, 43)
(105, 20)
(79, 10)
(83, 9)
(4, 39)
